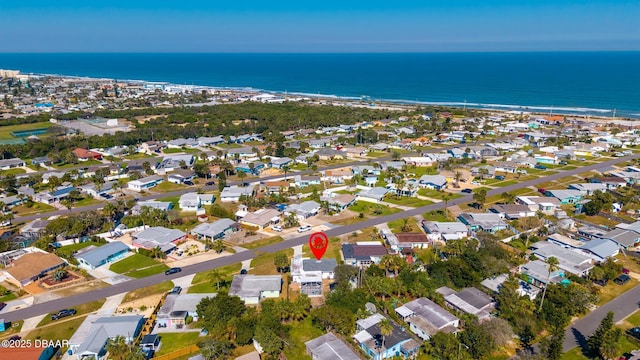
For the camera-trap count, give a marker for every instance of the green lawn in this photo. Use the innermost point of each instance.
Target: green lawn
(435, 194)
(6, 295)
(138, 156)
(396, 225)
(175, 200)
(160, 288)
(14, 171)
(263, 263)
(407, 201)
(299, 333)
(36, 208)
(378, 154)
(81, 163)
(5, 131)
(207, 282)
(333, 250)
(176, 341)
(179, 151)
(86, 201)
(371, 209)
(61, 330)
(138, 266)
(625, 346)
(418, 171)
(166, 186)
(83, 309)
(505, 183)
(437, 215)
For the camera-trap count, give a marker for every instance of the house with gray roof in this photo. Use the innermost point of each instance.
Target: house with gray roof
(363, 253)
(233, 193)
(253, 288)
(177, 307)
(153, 204)
(570, 261)
(329, 347)
(539, 275)
(215, 230)
(587, 189)
(279, 163)
(436, 182)
(426, 318)
(483, 222)
(105, 328)
(310, 273)
(469, 300)
(565, 196)
(623, 237)
(600, 249)
(6, 164)
(158, 236)
(92, 257)
(512, 211)
(374, 195)
(261, 218)
(303, 210)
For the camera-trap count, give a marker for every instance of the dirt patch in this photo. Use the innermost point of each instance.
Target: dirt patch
(49, 281)
(142, 119)
(81, 288)
(144, 306)
(345, 214)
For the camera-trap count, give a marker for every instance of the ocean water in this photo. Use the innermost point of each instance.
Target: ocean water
(559, 82)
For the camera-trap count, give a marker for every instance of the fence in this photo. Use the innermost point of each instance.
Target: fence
(178, 353)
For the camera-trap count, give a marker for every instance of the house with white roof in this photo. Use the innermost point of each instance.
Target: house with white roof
(253, 288)
(570, 261)
(303, 210)
(436, 182)
(374, 195)
(426, 318)
(214, 230)
(546, 205)
(158, 236)
(145, 183)
(488, 222)
(588, 188)
(233, 193)
(539, 275)
(193, 201)
(445, 231)
(310, 273)
(176, 308)
(329, 347)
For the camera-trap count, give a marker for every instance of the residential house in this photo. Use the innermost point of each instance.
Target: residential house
(330, 154)
(176, 308)
(600, 249)
(444, 231)
(145, 183)
(506, 167)
(158, 236)
(260, 219)
(98, 191)
(569, 261)
(174, 162)
(512, 211)
(363, 253)
(565, 196)
(329, 347)
(241, 153)
(365, 170)
(414, 240)
(353, 152)
(309, 273)
(565, 241)
(304, 181)
(374, 195)
(421, 161)
(303, 210)
(340, 202)
(539, 275)
(457, 153)
(233, 193)
(193, 201)
(92, 257)
(587, 189)
(182, 143)
(253, 288)
(180, 176)
(34, 229)
(151, 147)
(624, 238)
(469, 300)
(611, 182)
(215, 230)
(546, 205)
(524, 288)
(398, 165)
(6, 164)
(276, 187)
(253, 167)
(483, 171)
(548, 159)
(397, 344)
(483, 222)
(426, 318)
(210, 141)
(60, 193)
(152, 204)
(94, 345)
(86, 155)
(337, 176)
(279, 163)
(436, 182)
(11, 201)
(31, 266)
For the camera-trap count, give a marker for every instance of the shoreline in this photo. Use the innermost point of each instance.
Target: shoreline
(392, 104)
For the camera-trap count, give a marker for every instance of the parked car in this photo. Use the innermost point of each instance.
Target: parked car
(542, 190)
(467, 191)
(540, 167)
(635, 332)
(188, 183)
(625, 271)
(243, 272)
(563, 162)
(2, 305)
(277, 228)
(622, 279)
(304, 228)
(15, 338)
(176, 290)
(210, 183)
(522, 171)
(173, 270)
(63, 313)
(500, 177)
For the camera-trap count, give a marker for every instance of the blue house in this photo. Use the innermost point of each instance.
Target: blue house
(437, 182)
(92, 258)
(565, 196)
(246, 168)
(487, 222)
(377, 346)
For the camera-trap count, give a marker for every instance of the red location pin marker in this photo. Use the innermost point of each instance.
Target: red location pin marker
(318, 242)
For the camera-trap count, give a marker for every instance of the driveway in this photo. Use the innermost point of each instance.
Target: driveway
(103, 273)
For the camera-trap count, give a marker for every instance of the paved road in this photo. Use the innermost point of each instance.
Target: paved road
(622, 306)
(75, 300)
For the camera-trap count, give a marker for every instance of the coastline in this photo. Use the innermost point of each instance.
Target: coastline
(366, 101)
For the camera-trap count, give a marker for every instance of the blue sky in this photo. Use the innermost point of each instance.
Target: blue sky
(318, 26)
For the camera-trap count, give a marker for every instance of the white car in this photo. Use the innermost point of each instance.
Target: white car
(304, 228)
(276, 228)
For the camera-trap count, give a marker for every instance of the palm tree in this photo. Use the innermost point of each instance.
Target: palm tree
(508, 197)
(286, 170)
(117, 347)
(552, 264)
(385, 330)
(446, 197)
(457, 176)
(110, 211)
(241, 175)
